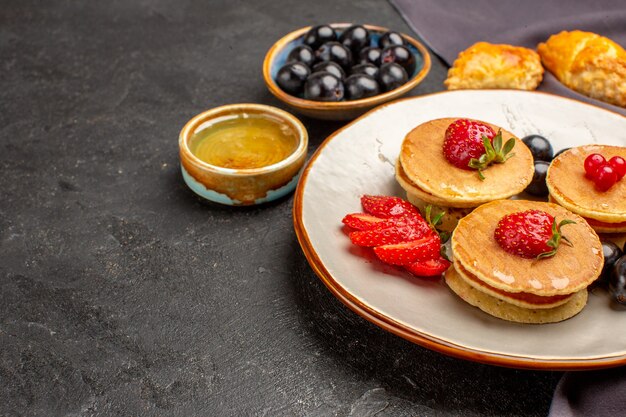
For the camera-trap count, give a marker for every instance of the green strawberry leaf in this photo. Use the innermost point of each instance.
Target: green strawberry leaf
(555, 240)
(494, 153)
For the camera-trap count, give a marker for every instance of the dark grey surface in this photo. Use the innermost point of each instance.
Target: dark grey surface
(124, 294)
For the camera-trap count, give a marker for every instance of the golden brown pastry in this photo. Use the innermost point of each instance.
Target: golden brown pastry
(485, 65)
(588, 63)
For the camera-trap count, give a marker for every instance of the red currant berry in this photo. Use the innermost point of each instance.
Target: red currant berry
(605, 177)
(619, 165)
(592, 163)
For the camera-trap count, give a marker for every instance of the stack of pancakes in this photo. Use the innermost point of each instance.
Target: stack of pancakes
(519, 289)
(429, 179)
(605, 211)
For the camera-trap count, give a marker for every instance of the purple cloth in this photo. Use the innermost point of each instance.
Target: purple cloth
(592, 393)
(451, 26)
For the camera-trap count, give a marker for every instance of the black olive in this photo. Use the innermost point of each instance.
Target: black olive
(318, 35)
(400, 55)
(537, 186)
(617, 280)
(336, 52)
(329, 66)
(390, 38)
(291, 77)
(369, 69)
(323, 86)
(392, 76)
(355, 38)
(370, 55)
(361, 86)
(540, 147)
(612, 253)
(302, 53)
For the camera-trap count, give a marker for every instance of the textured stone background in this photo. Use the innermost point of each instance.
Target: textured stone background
(124, 294)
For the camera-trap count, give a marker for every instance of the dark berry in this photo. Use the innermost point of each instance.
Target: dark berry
(537, 186)
(540, 147)
(355, 38)
(302, 53)
(400, 55)
(335, 52)
(361, 86)
(369, 69)
(561, 151)
(612, 253)
(318, 35)
(391, 76)
(332, 67)
(291, 77)
(370, 55)
(390, 38)
(617, 280)
(323, 86)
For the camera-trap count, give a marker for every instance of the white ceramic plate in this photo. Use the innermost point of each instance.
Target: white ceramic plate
(359, 159)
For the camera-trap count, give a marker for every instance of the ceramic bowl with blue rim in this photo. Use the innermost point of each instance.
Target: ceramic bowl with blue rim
(277, 55)
(236, 185)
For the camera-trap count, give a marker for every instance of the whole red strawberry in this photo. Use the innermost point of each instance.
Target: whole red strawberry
(464, 141)
(530, 234)
(469, 144)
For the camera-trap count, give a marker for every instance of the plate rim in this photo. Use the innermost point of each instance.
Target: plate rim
(389, 324)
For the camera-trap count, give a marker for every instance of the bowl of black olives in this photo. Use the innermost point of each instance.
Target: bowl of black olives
(339, 71)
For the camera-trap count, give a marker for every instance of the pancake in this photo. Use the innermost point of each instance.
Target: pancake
(602, 227)
(421, 199)
(572, 269)
(422, 160)
(598, 226)
(520, 299)
(411, 188)
(451, 218)
(510, 312)
(570, 188)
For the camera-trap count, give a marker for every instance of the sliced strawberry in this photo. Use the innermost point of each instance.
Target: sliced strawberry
(402, 231)
(362, 221)
(385, 206)
(407, 253)
(429, 268)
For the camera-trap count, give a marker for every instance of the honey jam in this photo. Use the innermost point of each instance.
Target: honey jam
(244, 141)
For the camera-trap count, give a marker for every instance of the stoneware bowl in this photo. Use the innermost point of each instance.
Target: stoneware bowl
(276, 57)
(237, 187)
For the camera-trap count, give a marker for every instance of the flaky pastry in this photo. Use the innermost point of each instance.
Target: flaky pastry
(588, 63)
(485, 65)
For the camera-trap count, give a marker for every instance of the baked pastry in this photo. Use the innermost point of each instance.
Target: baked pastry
(485, 65)
(588, 63)
(429, 178)
(523, 289)
(605, 211)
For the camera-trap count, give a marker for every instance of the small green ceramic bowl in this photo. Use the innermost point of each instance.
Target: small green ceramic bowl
(236, 187)
(276, 57)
